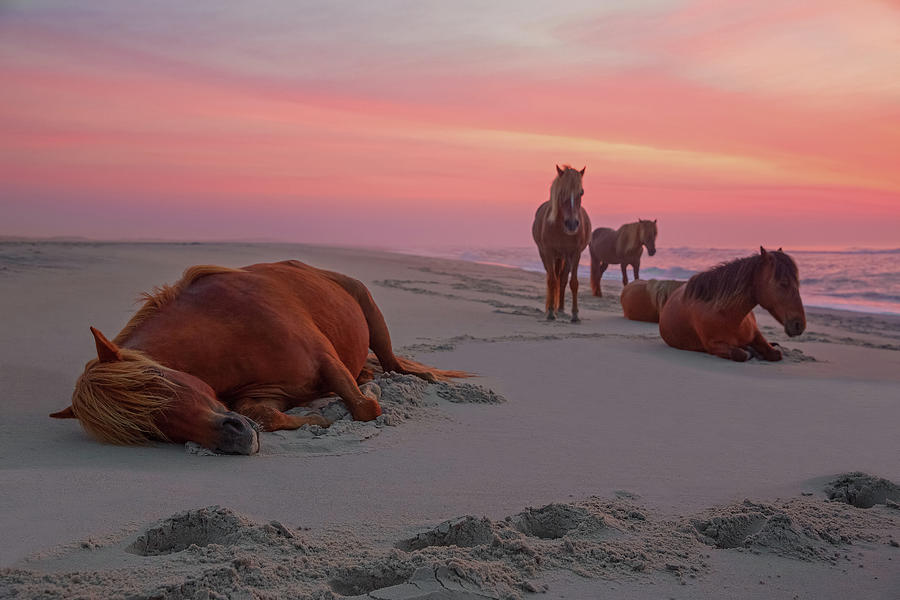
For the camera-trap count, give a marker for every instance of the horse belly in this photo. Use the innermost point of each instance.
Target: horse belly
(677, 326)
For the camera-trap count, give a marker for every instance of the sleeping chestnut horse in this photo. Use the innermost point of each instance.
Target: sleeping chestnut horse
(560, 230)
(622, 246)
(714, 312)
(225, 351)
(642, 299)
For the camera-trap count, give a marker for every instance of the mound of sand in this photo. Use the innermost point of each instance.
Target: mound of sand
(214, 552)
(799, 529)
(863, 490)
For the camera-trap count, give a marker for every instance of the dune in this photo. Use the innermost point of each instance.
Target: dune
(585, 460)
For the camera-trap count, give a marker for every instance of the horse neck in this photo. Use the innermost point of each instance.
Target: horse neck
(633, 248)
(742, 305)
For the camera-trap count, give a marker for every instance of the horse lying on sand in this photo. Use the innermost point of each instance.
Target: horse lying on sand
(623, 246)
(561, 229)
(226, 351)
(714, 312)
(642, 299)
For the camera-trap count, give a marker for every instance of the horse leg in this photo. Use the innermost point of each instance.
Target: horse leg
(561, 276)
(725, 350)
(335, 376)
(764, 348)
(267, 413)
(636, 267)
(624, 273)
(573, 285)
(550, 301)
(550, 304)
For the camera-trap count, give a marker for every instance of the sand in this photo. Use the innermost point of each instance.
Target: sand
(586, 460)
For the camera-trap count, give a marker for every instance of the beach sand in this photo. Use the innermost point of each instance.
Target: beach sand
(586, 460)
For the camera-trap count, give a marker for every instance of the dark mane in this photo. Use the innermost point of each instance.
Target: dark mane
(732, 281)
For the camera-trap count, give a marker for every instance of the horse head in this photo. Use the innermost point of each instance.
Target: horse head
(648, 235)
(565, 198)
(124, 397)
(777, 288)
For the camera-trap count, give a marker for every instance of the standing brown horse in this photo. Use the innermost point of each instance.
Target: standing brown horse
(561, 229)
(714, 312)
(643, 299)
(222, 347)
(620, 246)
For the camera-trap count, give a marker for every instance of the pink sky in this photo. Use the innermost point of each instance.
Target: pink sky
(436, 123)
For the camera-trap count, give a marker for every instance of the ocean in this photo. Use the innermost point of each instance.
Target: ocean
(864, 280)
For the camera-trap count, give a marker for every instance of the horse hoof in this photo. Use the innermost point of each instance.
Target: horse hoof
(320, 420)
(371, 389)
(369, 410)
(551, 317)
(575, 319)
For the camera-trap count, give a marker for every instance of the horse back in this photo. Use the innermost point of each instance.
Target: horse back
(264, 323)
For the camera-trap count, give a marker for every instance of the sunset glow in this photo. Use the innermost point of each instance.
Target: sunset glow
(392, 124)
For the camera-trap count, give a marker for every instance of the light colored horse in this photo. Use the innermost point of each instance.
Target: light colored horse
(561, 229)
(714, 312)
(622, 246)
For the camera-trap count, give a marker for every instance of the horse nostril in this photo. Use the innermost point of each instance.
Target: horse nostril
(234, 425)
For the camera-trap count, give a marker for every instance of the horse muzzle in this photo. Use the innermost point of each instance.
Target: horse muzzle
(571, 226)
(794, 327)
(239, 435)
(651, 251)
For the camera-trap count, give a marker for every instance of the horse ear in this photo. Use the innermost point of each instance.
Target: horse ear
(654, 221)
(762, 251)
(106, 350)
(558, 170)
(66, 413)
(583, 169)
(779, 249)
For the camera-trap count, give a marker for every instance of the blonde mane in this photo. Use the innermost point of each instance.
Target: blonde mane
(659, 291)
(566, 181)
(117, 402)
(164, 294)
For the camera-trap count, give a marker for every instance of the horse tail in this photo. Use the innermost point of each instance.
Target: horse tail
(428, 373)
(408, 366)
(595, 278)
(595, 275)
(380, 337)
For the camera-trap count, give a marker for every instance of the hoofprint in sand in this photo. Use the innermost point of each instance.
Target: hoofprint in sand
(592, 408)
(214, 552)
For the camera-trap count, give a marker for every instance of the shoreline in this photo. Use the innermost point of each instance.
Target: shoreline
(892, 317)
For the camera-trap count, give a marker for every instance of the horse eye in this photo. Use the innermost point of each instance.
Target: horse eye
(581, 193)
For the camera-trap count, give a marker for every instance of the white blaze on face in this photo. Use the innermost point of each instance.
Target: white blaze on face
(572, 202)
